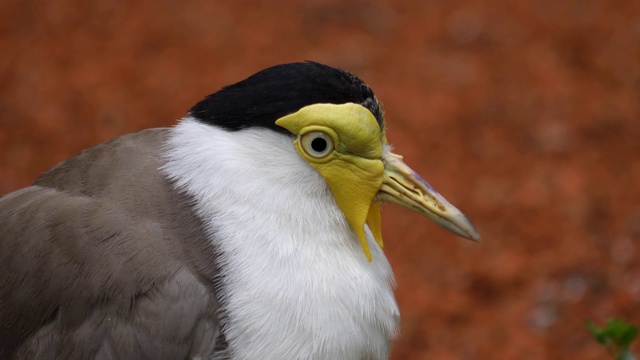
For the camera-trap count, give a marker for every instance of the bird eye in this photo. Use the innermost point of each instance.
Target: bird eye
(317, 144)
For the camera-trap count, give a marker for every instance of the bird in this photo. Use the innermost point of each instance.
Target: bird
(250, 229)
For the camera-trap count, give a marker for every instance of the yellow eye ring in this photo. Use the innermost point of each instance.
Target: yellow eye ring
(317, 144)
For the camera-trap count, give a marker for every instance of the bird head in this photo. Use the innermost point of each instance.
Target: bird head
(338, 129)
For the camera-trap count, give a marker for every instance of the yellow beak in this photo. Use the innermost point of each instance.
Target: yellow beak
(403, 186)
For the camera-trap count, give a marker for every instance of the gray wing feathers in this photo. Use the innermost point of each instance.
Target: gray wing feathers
(101, 259)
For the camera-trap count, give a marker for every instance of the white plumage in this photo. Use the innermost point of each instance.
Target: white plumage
(281, 225)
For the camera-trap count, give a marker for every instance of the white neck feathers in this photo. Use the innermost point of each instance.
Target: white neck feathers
(295, 282)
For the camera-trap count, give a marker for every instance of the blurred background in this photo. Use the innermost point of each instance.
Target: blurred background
(524, 114)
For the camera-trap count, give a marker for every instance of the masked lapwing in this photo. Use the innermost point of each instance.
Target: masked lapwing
(249, 230)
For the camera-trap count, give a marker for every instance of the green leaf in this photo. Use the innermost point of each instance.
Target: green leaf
(600, 334)
(621, 333)
(616, 336)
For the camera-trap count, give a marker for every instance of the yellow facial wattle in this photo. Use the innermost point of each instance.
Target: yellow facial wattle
(353, 169)
(345, 144)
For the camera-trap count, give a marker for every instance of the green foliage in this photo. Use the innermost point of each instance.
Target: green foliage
(616, 336)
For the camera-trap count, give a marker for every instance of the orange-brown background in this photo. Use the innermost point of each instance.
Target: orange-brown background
(525, 114)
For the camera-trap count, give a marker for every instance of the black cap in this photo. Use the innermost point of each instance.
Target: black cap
(270, 94)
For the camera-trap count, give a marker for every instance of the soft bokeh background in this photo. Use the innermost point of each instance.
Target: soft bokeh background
(525, 114)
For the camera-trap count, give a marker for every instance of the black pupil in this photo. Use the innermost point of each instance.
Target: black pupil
(319, 144)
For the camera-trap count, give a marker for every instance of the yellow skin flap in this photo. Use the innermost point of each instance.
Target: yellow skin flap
(344, 143)
(353, 167)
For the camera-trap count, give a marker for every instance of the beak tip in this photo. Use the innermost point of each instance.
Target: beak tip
(470, 231)
(475, 237)
(459, 224)
(471, 235)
